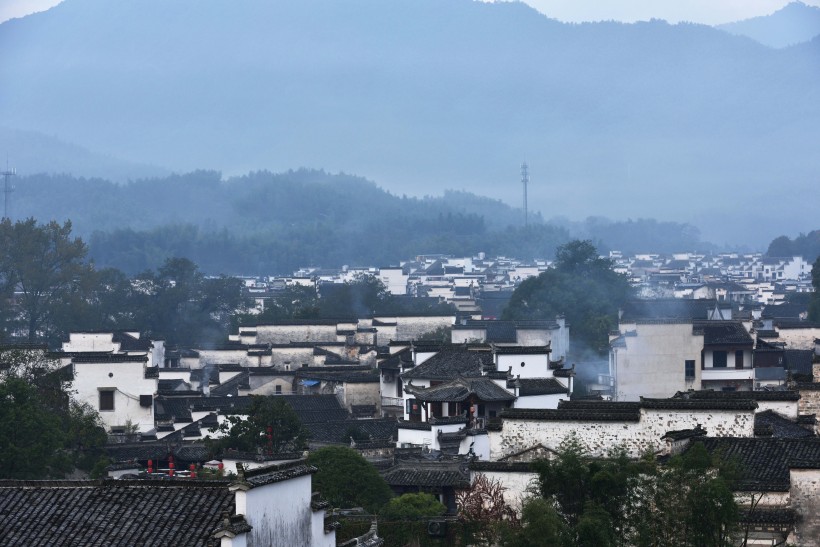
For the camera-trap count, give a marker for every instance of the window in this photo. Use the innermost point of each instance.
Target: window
(106, 399)
(719, 359)
(690, 369)
(739, 358)
(279, 390)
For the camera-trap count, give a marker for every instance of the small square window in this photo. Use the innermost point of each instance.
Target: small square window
(106, 399)
(278, 390)
(690, 369)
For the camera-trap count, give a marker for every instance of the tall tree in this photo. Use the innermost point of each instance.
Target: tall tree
(581, 286)
(346, 479)
(271, 425)
(43, 265)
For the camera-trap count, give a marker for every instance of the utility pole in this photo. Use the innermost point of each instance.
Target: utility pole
(7, 188)
(525, 179)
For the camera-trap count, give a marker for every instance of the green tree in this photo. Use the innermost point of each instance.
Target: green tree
(581, 286)
(178, 303)
(618, 501)
(31, 434)
(540, 525)
(346, 479)
(412, 506)
(45, 265)
(271, 425)
(403, 520)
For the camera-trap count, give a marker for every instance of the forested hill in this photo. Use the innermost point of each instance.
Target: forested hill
(265, 223)
(681, 122)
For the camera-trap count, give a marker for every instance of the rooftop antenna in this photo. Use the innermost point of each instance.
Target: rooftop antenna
(525, 179)
(7, 188)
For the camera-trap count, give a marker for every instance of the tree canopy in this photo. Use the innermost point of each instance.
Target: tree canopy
(618, 501)
(581, 286)
(45, 265)
(346, 479)
(44, 434)
(271, 425)
(53, 290)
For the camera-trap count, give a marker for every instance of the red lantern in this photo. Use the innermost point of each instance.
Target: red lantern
(150, 466)
(192, 468)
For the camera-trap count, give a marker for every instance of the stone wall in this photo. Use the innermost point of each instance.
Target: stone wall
(805, 498)
(809, 402)
(598, 437)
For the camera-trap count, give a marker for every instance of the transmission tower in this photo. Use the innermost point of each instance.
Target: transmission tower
(525, 179)
(7, 188)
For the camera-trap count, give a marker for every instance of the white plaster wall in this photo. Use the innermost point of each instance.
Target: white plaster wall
(362, 394)
(539, 401)
(129, 382)
(156, 358)
(394, 280)
(653, 362)
(533, 337)
(799, 338)
(294, 357)
(280, 513)
(90, 341)
(535, 366)
(636, 437)
(410, 328)
(282, 334)
(415, 436)
(460, 336)
(174, 374)
(224, 357)
(320, 538)
(518, 485)
(481, 446)
(269, 388)
(789, 409)
(805, 497)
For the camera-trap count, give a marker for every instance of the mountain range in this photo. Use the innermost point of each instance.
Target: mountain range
(794, 23)
(681, 122)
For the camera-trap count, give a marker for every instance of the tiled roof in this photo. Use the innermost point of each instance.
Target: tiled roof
(765, 462)
(699, 404)
(515, 467)
(108, 358)
(231, 387)
(681, 434)
(786, 310)
(460, 389)
(157, 450)
(721, 333)
(771, 424)
(538, 386)
(522, 350)
(798, 360)
(450, 363)
(674, 308)
(760, 395)
(104, 513)
(427, 474)
(336, 432)
(273, 473)
(571, 414)
(129, 343)
(350, 377)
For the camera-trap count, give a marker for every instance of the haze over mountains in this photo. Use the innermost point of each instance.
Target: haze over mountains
(679, 122)
(794, 23)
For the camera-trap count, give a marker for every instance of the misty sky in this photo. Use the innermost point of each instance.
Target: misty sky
(709, 12)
